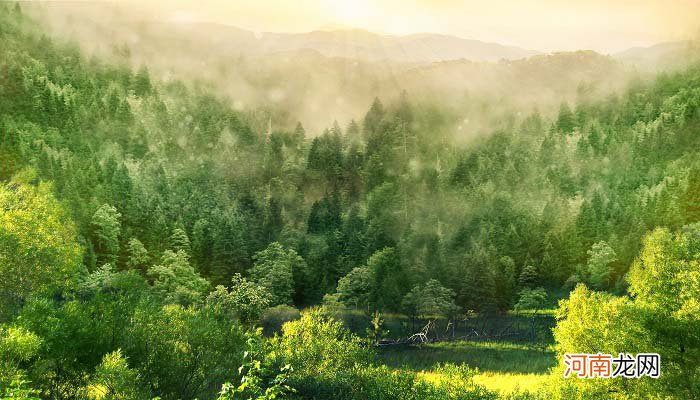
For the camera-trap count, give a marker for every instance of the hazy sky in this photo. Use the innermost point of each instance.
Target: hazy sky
(546, 25)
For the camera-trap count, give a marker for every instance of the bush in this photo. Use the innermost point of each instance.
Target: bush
(317, 343)
(18, 346)
(383, 383)
(113, 379)
(260, 378)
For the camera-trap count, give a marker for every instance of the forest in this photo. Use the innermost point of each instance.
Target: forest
(158, 242)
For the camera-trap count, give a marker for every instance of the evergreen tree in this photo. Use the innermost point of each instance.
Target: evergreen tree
(529, 277)
(504, 283)
(105, 234)
(275, 269)
(599, 265)
(477, 286)
(142, 81)
(690, 199)
(179, 241)
(137, 255)
(565, 120)
(373, 118)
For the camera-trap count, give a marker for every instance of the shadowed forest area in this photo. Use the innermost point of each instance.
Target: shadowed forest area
(159, 241)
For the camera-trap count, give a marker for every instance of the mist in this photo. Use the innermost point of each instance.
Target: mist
(296, 80)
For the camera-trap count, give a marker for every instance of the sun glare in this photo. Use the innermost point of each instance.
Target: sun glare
(355, 14)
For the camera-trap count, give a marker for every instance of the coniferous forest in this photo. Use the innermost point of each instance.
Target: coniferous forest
(158, 242)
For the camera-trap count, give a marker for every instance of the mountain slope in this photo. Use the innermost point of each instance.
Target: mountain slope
(662, 56)
(418, 48)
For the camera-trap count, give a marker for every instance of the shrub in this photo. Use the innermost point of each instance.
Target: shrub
(317, 343)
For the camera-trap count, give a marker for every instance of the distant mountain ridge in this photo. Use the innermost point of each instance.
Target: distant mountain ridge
(419, 48)
(661, 56)
(368, 46)
(348, 43)
(355, 44)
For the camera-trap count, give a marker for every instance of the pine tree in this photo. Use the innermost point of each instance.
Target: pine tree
(202, 245)
(565, 119)
(137, 255)
(529, 277)
(273, 220)
(352, 132)
(504, 283)
(373, 118)
(690, 199)
(477, 288)
(105, 234)
(179, 241)
(299, 133)
(142, 81)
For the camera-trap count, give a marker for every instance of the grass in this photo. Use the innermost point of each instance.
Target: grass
(529, 313)
(504, 367)
(510, 383)
(503, 357)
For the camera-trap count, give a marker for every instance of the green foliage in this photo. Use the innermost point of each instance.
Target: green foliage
(354, 288)
(665, 283)
(592, 322)
(375, 332)
(142, 81)
(690, 198)
(274, 269)
(179, 241)
(565, 119)
(529, 276)
(329, 362)
(184, 352)
(114, 380)
(317, 343)
(138, 258)
(396, 209)
(661, 317)
(431, 299)
(18, 347)
(387, 279)
(105, 234)
(39, 253)
(258, 380)
(477, 285)
(664, 278)
(373, 118)
(504, 282)
(531, 299)
(375, 285)
(176, 281)
(599, 268)
(244, 301)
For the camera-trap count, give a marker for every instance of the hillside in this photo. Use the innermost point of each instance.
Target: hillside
(662, 56)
